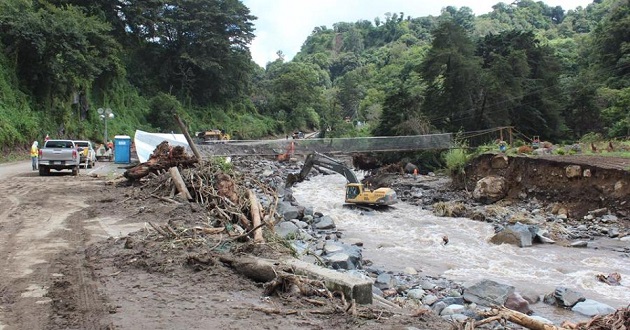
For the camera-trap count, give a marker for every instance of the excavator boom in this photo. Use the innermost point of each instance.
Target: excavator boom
(326, 162)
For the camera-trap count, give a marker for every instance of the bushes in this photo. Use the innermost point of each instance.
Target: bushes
(456, 160)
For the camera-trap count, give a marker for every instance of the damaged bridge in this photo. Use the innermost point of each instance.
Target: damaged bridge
(146, 142)
(328, 145)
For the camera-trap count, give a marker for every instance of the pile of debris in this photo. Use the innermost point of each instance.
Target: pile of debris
(236, 231)
(231, 207)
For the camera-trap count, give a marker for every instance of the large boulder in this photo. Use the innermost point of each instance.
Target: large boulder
(488, 293)
(410, 168)
(573, 171)
(324, 222)
(517, 234)
(591, 308)
(286, 229)
(517, 303)
(385, 281)
(490, 189)
(288, 211)
(342, 256)
(564, 297)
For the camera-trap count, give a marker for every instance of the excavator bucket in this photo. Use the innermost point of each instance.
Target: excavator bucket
(292, 179)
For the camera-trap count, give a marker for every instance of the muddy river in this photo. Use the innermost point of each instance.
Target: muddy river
(408, 236)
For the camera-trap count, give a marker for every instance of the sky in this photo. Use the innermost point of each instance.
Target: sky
(285, 24)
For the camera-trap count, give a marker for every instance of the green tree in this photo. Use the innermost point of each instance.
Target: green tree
(452, 73)
(611, 42)
(58, 50)
(297, 93)
(198, 49)
(162, 108)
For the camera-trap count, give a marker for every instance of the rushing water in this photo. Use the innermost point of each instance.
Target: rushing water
(409, 236)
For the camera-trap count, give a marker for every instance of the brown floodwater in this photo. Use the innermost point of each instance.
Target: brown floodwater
(409, 236)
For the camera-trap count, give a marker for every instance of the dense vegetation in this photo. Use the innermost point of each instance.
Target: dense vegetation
(544, 70)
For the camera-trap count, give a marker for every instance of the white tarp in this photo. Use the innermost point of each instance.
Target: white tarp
(147, 142)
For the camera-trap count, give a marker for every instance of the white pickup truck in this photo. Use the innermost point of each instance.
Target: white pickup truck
(58, 155)
(87, 155)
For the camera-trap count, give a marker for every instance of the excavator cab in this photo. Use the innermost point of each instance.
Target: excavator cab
(352, 191)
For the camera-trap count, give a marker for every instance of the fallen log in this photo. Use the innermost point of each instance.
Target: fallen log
(255, 212)
(255, 269)
(179, 183)
(191, 143)
(163, 158)
(502, 313)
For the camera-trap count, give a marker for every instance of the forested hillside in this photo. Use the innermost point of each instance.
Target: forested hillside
(545, 70)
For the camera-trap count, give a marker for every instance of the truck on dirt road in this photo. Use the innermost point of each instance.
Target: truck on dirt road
(58, 155)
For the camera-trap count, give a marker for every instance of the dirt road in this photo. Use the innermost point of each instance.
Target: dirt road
(42, 218)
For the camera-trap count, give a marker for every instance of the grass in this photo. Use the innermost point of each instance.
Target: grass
(621, 149)
(456, 160)
(14, 156)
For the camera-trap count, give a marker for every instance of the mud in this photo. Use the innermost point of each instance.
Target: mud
(80, 255)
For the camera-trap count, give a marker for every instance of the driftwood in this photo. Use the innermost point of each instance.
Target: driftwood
(211, 231)
(504, 314)
(166, 199)
(163, 157)
(179, 183)
(255, 212)
(275, 311)
(619, 320)
(254, 269)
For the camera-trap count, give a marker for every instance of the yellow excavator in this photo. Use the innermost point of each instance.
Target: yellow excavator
(356, 192)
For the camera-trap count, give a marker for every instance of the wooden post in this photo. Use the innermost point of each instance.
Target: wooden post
(192, 145)
(510, 135)
(179, 182)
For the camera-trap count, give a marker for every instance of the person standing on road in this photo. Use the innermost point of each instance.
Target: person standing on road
(34, 155)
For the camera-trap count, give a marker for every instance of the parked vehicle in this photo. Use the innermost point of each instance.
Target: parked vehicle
(87, 155)
(211, 136)
(58, 155)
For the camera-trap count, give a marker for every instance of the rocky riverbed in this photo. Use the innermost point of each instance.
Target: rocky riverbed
(522, 216)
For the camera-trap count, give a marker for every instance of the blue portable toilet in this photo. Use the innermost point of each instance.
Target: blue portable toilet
(122, 149)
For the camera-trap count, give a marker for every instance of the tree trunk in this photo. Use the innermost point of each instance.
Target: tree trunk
(179, 183)
(255, 211)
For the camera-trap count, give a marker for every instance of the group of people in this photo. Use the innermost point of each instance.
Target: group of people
(35, 153)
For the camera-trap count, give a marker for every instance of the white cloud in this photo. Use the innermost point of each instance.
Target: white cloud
(285, 24)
